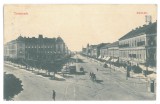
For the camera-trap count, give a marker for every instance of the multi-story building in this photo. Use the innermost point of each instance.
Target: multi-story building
(84, 51)
(15, 49)
(99, 47)
(94, 50)
(104, 52)
(113, 51)
(110, 52)
(139, 45)
(35, 48)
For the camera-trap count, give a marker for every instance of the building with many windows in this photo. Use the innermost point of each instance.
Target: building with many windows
(110, 52)
(139, 45)
(15, 49)
(103, 51)
(113, 51)
(93, 50)
(47, 49)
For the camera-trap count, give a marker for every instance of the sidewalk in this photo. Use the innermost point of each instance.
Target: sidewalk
(34, 69)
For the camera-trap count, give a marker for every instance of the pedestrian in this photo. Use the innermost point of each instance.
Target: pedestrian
(97, 69)
(128, 70)
(54, 95)
(90, 74)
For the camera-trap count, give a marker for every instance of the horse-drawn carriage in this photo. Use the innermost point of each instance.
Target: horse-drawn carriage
(105, 65)
(93, 76)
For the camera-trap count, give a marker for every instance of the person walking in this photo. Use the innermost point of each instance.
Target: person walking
(90, 74)
(54, 95)
(97, 69)
(128, 70)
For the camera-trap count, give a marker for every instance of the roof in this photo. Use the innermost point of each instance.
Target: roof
(102, 45)
(93, 46)
(147, 29)
(114, 44)
(34, 40)
(105, 46)
(59, 39)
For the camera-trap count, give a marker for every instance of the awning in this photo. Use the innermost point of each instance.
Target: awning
(149, 68)
(103, 58)
(99, 57)
(114, 60)
(107, 58)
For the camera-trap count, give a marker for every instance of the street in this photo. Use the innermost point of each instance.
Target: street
(109, 85)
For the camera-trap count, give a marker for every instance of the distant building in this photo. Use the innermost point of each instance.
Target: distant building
(84, 50)
(93, 50)
(99, 46)
(110, 52)
(113, 51)
(139, 45)
(104, 52)
(35, 48)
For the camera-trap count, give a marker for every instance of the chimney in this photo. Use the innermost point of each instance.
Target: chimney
(40, 36)
(148, 19)
(144, 25)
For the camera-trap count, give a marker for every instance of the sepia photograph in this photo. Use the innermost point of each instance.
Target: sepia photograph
(80, 52)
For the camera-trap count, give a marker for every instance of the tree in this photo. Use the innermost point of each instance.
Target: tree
(12, 86)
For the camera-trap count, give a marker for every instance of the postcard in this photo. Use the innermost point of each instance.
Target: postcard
(80, 52)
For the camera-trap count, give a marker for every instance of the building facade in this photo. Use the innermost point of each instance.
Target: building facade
(139, 45)
(110, 52)
(113, 51)
(14, 49)
(103, 52)
(40, 48)
(93, 50)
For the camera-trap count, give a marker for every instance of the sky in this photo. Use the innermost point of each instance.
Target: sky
(77, 25)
